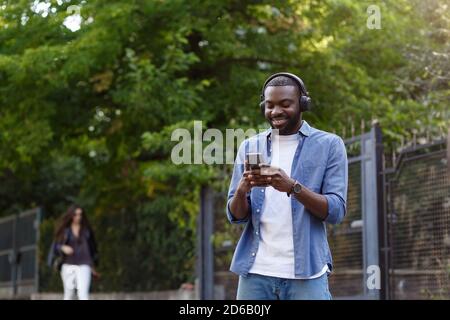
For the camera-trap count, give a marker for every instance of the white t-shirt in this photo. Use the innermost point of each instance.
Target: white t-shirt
(275, 256)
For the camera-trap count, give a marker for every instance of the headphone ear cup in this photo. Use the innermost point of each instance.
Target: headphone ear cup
(262, 106)
(305, 103)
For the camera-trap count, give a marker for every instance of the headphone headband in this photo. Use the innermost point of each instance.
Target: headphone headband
(299, 81)
(304, 101)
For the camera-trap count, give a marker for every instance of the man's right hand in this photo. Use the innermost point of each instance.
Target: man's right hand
(252, 178)
(68, 250)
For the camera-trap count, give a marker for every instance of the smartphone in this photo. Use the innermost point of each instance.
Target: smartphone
(253, 159)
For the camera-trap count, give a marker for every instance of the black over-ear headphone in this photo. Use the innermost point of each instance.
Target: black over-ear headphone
(304, 101)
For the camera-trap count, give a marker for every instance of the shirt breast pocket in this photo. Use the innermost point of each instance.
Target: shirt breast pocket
(312, 174)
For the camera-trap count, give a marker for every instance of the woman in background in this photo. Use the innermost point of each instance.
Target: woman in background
(75, 241)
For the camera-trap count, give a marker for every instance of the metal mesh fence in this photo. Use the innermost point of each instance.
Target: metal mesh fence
(345, 242)
(419, 225)
(6, 234)
(18, 254)
(26, 231)
(27, 265)
(5, 268)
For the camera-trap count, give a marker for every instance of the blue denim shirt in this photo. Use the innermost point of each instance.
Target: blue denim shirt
(320, 164)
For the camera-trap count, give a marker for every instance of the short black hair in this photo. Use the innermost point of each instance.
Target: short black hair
(282, 81)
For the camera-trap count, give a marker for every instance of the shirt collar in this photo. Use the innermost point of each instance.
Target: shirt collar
(305, 129)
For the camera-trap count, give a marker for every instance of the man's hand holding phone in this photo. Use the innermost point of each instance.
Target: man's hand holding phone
(252, 175)
(277, 178)
(259, 174)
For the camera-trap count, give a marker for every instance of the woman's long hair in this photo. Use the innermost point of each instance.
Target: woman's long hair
(66, 220)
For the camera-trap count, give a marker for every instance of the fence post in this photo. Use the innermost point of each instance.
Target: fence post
(13, 258)
(448, 150)
(370, 208)
(382, 219)
(37, 223)
(205, 262)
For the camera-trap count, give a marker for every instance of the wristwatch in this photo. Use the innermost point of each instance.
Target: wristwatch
(296, 188)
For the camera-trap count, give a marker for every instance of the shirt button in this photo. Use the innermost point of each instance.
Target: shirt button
(257, 210)
(253, 254)
(262, 190)
(256, 232)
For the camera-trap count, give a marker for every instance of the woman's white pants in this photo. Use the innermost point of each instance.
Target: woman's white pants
(76, 277)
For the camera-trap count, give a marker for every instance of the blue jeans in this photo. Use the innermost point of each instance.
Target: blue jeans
(259, 287)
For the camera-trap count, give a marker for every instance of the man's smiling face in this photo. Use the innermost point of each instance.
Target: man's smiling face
(282, 108)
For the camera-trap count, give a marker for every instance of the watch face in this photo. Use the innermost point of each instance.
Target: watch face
(297, 188)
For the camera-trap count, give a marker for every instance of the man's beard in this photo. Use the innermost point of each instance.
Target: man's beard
(290, 126)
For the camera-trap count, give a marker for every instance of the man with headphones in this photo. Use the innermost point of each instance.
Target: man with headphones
(283, 251)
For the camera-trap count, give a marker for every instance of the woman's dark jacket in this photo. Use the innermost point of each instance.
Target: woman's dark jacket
(55, 249)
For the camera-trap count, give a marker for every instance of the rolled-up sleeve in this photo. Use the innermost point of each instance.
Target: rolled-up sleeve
(238, 170)
(335, 182)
